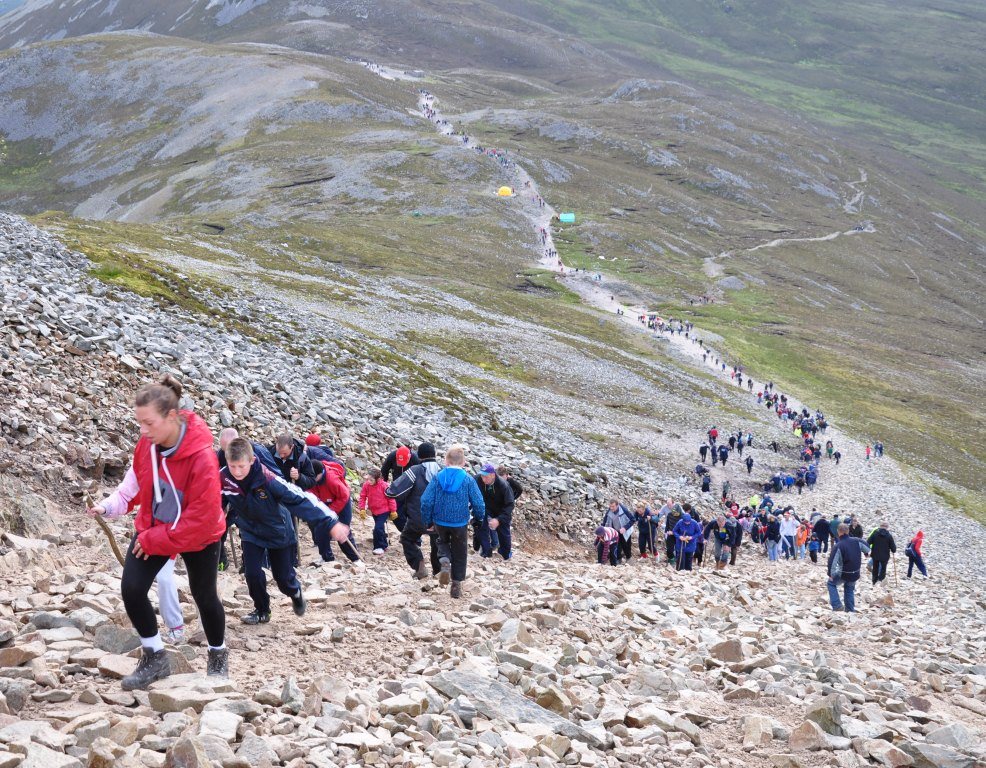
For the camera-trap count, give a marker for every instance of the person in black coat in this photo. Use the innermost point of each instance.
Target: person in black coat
(882, 545)
(844, 564)
(407, 489)
(294, 466)
(822, 532)
(397, 462)
(499, 500)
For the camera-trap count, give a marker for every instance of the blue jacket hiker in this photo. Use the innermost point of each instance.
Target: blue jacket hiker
(687, 533)
(448, 503)
(261, 504)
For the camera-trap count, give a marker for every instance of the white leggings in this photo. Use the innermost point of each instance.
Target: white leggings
(167, 596)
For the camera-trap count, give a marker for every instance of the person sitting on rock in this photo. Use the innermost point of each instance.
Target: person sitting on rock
(448, 502)
(263, 504)
(116, 505)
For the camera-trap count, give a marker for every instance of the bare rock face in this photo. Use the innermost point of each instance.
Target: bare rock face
(23, 512)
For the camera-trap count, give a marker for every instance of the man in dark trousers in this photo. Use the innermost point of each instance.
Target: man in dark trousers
(822, 532)
(845, 561)
(408, 489)
(749, 465)
(294, 465)
(399, 461)
(882, 545)
(499, 501)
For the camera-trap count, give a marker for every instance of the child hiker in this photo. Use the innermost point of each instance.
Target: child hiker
(373, 496)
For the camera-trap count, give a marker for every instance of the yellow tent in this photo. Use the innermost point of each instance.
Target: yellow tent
(504, 192)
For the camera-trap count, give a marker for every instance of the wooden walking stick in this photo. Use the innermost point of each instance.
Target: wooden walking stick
(896, 583)
(106, 529)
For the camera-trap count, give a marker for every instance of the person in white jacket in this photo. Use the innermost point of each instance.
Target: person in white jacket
(116, 505)
(789, 530)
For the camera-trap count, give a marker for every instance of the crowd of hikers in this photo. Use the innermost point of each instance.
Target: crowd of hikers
(195, 501)
(678, 532)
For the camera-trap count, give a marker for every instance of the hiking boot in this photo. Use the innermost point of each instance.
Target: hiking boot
(175, 636)
(456, 589)
(445, 575)
(298, 603)
(423, 571)
(218, 664)
(153, 665)
(256, 617)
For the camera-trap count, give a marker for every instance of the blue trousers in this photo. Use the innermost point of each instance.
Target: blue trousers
(849, 592)
(281, 568)
(380, 531)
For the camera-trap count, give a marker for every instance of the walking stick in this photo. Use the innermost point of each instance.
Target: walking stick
(896, 583)
(232, 549)
(106, 529)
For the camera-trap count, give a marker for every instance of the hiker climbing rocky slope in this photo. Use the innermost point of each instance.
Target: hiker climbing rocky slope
(552, 659)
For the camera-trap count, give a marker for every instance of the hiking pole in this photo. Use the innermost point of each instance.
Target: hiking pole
(896, 583)
(106, 529)
(232, 549)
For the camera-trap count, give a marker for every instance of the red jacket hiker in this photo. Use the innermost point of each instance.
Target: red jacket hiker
(333, 491)
(372, 496)
(188, 482)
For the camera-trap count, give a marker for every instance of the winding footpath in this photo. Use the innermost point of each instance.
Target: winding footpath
(873, 488)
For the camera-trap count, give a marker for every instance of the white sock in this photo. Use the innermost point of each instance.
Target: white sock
(152, 644)
(218, 647)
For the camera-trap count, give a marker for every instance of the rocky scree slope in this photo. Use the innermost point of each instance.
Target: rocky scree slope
(549, 660)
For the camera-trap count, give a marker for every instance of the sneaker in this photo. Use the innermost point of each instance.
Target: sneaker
(379, 551)
(175, 636)
(423, 571)
(359, 565)
(218, 664)
(299, 604)
(445, 575)
(456, 590)
(255, 617)
(153, 665)
(643, 555)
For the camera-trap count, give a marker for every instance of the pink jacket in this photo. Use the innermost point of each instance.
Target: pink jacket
(117, 504)
(372, 496)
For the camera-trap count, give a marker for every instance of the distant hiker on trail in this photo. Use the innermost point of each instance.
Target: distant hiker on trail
(749, 465)
(844, 564)
(723, 454)
(838, 457)
(670, 521)
(448, 502)
(719, 533)
(773, 446)
(263, 504)
(868, 451)
(822, 533)
(882, 546)
(373, 497)
(725, 490)
(914, 556)
(180, 514)
(706, 483)
(772, 537)
(703, 451)
(878, 449)
(687, 533)
(408, 488)
(789, 532)
(619, 517)
(116, 505)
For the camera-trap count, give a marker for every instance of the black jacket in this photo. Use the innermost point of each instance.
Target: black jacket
(410, 487)
(821, 529)
(497, 496)
(297, 460)
(516, 487)
(881, 544)
(390, 469)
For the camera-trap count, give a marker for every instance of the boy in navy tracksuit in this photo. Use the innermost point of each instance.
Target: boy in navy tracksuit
(261, 503)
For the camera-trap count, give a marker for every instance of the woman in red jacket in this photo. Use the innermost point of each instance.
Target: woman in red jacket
(180, 514)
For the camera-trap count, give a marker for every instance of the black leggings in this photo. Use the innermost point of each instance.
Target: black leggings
(202, 567)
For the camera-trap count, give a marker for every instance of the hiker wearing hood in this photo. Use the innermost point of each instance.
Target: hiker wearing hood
(180, 513)
(914, 556)
(263, 505)
(407, 489)
(687, 533)
(882, 545)
(448, 503)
